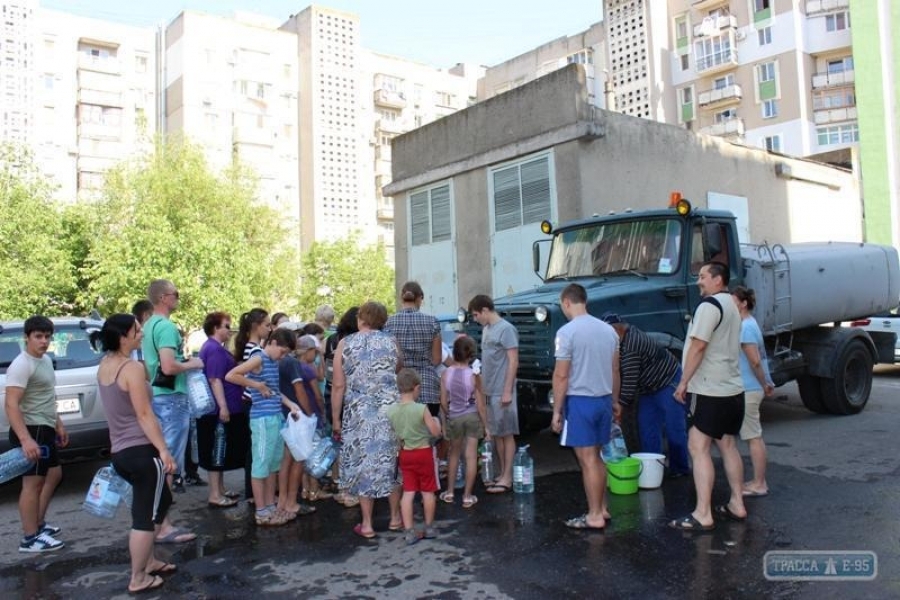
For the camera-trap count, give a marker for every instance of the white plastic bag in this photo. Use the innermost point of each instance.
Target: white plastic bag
(299, 435)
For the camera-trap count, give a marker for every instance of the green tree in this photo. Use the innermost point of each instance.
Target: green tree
(166, 215)
(345, 274)
(36, 274)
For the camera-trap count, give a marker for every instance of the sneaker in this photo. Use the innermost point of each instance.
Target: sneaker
(178, 484)
(430, 532)
(41, 542)
(194, 479)
(50, 529)
(411, 536)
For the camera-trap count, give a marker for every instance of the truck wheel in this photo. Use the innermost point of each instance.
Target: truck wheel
(811, 393)
(848, 392)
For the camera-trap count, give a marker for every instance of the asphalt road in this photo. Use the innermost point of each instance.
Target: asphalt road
(833, 484)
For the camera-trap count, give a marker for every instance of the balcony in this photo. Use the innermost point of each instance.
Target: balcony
(727, 128)
(389, 126)
(834, 115)
(817, 7)
(707, 4)
(383, 152)
(257, 136)
(716, 62)
(826, 80)
(384, 212)
(730, 94)
(100, 98)
(103, 149)
(87, 62)
(390, 98)
(714, 25)
(98, 131)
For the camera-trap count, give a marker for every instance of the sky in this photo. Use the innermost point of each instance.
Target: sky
(437, 32)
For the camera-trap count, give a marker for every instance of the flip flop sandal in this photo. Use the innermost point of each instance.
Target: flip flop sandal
(469, 501)
(172, 537)
(395, 527)
(581, 523)
(306, 509)
(223, 503)
(498, 488)
(754, 494)
(358, 530)
(167, 569)
(723, 511)
(232, 494)
(689, 523)
(446, 497)
(155, 582)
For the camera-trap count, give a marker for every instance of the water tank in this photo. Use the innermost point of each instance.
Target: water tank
(801, 285)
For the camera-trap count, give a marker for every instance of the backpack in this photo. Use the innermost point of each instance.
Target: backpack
(715, 302)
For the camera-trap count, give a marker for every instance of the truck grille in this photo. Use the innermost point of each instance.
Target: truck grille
(535, 342)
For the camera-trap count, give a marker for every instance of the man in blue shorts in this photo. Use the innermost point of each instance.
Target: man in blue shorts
(586, 397)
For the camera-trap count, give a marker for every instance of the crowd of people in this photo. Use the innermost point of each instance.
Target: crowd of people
(396, 401)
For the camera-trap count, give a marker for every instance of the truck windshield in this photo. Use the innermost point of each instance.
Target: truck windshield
(646, 247)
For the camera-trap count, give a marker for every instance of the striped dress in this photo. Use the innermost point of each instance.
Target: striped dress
(265, 406)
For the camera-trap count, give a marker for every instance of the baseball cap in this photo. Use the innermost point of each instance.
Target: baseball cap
(307, 342)
(611, 318)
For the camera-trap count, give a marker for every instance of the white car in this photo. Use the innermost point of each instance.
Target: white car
(884, 323)
(77, 402)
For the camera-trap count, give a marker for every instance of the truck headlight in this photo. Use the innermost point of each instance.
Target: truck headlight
(461, 315)
(540, 313)
(550, 397)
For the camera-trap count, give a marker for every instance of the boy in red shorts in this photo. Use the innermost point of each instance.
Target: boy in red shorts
(414, 427)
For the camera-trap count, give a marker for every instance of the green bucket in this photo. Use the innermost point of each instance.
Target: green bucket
(623, 476)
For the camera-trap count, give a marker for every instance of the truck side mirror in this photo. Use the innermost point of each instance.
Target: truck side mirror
(536, 259)
(712, 240)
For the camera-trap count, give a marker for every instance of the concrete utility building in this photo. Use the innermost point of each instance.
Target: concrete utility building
(471, 189)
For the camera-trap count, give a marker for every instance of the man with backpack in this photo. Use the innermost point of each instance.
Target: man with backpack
(711, 374)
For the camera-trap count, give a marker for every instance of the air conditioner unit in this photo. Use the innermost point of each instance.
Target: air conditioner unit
(740, 35)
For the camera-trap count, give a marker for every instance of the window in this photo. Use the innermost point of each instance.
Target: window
(140, 64)
(766, 78)
(681, 28)
(444, 99)
(430, 216)
(521, 193)
(833, 99)
(762, 11)
(686, 95)
(759, 5)
(725, 115)
(721, 83)
(837, 21)
(838, 134)
(840, 65)
(772, 143)
(684, 62)
(765, 36)
(260, 91)
(713, 51)
(584, 57)
(766, 72)
(48, 81)
(769, 109)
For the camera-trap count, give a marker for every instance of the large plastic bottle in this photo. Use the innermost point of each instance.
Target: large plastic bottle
(614, 450)
(323, 456)
(103, 497)
(460, 473)
(200, 396)
(523, 472)
(13, 463)
(487, 462)
(218, 457)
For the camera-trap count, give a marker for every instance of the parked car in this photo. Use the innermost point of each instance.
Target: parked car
(75, 363)
(450, 328)
(886, 323)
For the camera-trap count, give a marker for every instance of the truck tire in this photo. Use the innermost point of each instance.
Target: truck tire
(848, 392)
(810, 388)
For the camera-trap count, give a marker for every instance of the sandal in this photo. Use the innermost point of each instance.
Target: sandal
(319, 494)
(155, 582)
(358, 530)
(582, 523)
(689, 523)
(350, 501)
(469, 501)
(446, 497)
(723, 511)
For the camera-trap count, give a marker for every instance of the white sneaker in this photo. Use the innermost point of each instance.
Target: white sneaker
(50, 529)
(42, 542)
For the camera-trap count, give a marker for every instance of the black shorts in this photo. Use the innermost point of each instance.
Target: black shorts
(44, 436)
(434, 409)
(142, 468)
(718, 415)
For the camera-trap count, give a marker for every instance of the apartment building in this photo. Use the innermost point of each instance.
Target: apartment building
(95, 98)
(16, 70)
(231, 86)
(400, 95)
(587, 48)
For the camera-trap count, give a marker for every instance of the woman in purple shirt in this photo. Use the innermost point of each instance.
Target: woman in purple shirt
(230, 411)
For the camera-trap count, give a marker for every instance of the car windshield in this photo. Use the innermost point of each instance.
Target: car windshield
(645, 247)
(69, 349)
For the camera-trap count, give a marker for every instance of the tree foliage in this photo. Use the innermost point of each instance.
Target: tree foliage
(36, 275)
(167, 216)
(345, 274)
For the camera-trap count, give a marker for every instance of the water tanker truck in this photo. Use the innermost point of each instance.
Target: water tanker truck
(644, 266)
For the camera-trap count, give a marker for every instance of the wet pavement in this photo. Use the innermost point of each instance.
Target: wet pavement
(513, 546)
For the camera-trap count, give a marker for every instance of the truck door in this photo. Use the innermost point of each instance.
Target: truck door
(710, 240)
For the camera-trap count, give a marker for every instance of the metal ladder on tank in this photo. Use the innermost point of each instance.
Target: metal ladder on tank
(781, 301)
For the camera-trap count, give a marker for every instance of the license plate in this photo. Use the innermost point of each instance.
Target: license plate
(65, 406)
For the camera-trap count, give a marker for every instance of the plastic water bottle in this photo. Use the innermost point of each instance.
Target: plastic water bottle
(13, 463)
(200, 396)
(523, 472)
(126, 493)
(103, 497)
(614, 450)
(460, 474)
(323, 456)
(218, 458)
(487, 462)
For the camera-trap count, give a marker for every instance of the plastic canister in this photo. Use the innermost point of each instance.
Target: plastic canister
(623, 476)
(652, 469)
(200, 396)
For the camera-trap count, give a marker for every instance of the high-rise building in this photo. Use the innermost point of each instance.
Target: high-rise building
(876, 50)
(231, 86)
(400, 95)
(95, 98)
(17, 70)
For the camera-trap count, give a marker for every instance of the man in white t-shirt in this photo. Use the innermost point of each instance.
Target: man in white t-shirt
(711, 372)
(35, 427)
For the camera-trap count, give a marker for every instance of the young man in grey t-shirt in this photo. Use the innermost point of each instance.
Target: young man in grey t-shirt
(499, 363)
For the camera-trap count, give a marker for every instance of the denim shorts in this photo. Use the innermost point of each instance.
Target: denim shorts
(267, 445)
(175, 420)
